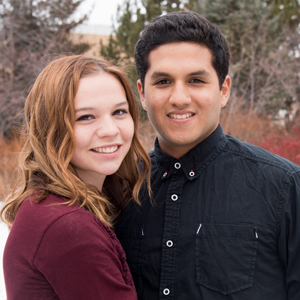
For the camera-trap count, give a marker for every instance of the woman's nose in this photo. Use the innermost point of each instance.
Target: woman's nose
(107, 127)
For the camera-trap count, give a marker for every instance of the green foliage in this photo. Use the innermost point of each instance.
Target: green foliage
(287, 10)
(132, 16)
(111, 51)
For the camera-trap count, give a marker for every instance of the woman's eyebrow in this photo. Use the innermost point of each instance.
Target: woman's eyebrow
(83, 109)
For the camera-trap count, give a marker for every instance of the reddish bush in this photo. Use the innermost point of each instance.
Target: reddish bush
(287, 146)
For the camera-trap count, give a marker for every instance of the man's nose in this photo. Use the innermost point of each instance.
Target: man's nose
(180, 96)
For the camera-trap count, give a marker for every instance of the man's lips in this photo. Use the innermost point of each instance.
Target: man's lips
(180, 116)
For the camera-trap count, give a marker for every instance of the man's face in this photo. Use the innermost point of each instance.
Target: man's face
(182, 95)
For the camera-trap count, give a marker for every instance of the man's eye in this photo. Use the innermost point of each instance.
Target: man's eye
(164, 81)
(85, 118)
(195, 80)
(120, 112)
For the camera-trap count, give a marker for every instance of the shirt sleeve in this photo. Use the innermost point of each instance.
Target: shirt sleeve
(79, 259)
(289, 238)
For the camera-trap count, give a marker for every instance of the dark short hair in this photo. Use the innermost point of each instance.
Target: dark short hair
(183, 26)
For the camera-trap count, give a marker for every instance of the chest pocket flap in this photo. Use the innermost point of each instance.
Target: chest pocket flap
(225, 256)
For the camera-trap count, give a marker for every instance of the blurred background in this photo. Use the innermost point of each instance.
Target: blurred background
(263, 36)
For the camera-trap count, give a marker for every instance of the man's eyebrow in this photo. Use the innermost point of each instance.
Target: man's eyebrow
(159, 74)
(200, 72)
(164, 74)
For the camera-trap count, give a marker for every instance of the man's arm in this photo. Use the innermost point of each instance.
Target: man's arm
(289, 237)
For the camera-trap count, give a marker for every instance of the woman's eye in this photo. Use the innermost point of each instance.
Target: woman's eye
(120, 112)
(85, 118)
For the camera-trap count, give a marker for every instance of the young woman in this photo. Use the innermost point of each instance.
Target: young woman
(79, 170)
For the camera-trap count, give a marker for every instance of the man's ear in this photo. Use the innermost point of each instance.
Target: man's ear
(225, 90)
(142, 95)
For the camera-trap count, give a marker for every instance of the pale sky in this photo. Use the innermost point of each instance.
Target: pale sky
(103, 10)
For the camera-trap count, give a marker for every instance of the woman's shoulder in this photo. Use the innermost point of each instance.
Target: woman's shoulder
(44, 212)
(50, 222)
(52, 212)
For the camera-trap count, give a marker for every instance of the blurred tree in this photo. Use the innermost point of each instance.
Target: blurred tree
(32, 32)
(264, 52)
(287, 10)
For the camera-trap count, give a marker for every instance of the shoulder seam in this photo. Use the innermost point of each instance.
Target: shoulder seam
(261, 159)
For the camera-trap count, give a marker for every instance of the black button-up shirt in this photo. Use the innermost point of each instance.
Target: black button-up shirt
(225, 225)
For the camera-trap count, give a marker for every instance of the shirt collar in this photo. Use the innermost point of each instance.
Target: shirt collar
(195, 161)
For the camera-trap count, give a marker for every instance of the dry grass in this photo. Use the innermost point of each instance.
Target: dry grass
(248, 128)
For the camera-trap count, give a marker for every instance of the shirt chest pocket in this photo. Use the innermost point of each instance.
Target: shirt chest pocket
(225, 256)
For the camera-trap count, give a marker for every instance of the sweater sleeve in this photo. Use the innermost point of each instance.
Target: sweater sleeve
(79, 258)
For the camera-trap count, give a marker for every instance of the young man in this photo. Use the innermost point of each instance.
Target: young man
(225, 223)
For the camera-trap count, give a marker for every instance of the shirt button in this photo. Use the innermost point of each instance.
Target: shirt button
(166, 292)
(174, 197)
(177, 165)
(169, 243)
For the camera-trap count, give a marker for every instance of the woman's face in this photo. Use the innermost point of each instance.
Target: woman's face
(103, 127)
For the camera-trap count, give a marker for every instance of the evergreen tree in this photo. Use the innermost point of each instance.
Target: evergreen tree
(287, 10)
(132, 16)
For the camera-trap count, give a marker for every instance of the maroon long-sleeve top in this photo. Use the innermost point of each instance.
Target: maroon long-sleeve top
(64, 252)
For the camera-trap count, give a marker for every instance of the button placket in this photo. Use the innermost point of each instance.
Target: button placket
(168, 258)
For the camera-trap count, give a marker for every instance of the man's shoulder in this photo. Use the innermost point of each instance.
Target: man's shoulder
(259, 155)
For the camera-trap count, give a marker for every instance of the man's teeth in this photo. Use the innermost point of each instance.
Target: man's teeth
(106, 150)
(176, 116)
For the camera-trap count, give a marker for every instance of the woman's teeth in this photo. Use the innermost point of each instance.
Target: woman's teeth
(106, 150)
